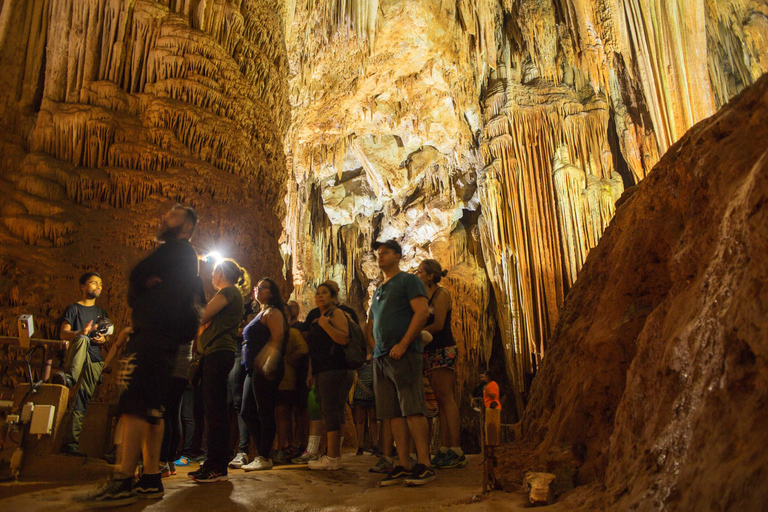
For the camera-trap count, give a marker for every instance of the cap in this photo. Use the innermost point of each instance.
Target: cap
(392, 244)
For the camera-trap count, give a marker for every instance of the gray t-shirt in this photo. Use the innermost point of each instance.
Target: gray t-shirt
(220, 335)
(392, 314)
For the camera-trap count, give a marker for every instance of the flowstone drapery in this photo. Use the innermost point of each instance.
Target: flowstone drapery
(112, 110)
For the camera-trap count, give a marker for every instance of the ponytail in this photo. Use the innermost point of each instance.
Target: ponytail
(434, 269)
(233, 272)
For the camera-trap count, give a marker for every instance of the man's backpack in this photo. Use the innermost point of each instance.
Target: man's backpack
(355, 351)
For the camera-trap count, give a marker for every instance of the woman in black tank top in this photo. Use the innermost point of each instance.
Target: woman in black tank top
(440, 365)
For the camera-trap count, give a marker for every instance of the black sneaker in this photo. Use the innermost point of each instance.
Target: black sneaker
(115, 492)
(420, 475)
(207, 476)
(193, 474)
(149, 487)
(62, 379)
(110, 457)
(398, 475)
(72, 451)
(451, 460)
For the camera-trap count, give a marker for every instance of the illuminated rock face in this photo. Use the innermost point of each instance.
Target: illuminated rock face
(113, 110)
(513, 125)
(656, 373)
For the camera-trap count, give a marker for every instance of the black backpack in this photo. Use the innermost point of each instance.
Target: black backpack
(355, 351)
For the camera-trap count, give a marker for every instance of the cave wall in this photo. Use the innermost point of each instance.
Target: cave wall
(516, 124)
(656, 378)
(113, 110)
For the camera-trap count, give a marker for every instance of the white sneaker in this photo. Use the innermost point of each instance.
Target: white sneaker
(258, 464)
(325, 462)
(240, 460)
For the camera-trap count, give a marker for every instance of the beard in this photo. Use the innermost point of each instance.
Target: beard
(167, 233)
(93, 295)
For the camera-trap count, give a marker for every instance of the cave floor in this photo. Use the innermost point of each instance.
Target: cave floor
(282, 489)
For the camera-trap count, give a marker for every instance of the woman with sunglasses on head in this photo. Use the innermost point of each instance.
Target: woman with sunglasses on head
(440, 365)
(263, 347)
(217, 345)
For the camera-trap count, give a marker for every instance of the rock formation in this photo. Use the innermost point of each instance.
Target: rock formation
(656, 373)
(113, 110)
(514, 125)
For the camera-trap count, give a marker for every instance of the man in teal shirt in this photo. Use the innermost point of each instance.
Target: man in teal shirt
(398, 313)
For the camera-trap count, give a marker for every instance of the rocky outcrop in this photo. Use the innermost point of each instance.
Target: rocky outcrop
(656, 373)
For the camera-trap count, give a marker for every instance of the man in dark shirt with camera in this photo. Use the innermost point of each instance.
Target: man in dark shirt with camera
(84, 362)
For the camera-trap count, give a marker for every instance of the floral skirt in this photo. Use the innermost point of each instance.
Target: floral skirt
(441, 358)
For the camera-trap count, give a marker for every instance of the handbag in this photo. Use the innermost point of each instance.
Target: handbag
(268, 362)
(195, 370)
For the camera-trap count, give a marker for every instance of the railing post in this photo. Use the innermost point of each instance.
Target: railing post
(45, 371)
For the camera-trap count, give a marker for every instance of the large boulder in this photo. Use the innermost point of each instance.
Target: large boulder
(656, 378)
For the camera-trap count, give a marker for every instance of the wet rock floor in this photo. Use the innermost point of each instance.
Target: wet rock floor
(286, 488)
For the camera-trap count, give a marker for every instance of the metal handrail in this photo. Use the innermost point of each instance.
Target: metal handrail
(48, 345)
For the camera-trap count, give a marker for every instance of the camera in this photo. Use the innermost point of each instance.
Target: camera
(104, 326)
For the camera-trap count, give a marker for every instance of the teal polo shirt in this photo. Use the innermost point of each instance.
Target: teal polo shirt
(392, 314)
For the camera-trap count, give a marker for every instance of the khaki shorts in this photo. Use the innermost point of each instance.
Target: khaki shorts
(398, 386)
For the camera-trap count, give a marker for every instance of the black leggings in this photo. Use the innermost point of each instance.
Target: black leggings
(332, 389)
(188, 419)
(172, 433)
(216, 368)
(258, 410)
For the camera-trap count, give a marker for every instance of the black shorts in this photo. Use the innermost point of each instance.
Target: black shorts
(144, 377)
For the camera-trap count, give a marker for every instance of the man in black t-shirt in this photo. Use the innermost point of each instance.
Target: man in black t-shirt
(84, 361)
(166, 296)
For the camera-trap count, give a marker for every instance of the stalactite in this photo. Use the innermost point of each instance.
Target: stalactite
(737, 45)
(570, 182)
(669, 36)
(528, 248)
